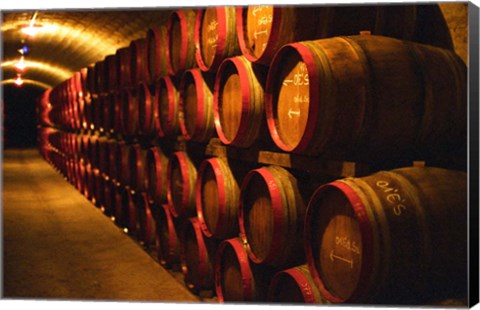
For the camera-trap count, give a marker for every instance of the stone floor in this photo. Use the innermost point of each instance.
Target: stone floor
(57, 246)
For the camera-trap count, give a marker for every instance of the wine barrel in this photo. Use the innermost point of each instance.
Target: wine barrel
(103, 156)
(110, 73)
(99, 72)
(237, 279)
(97, 109)
(145, 224)
(127, 211)
(122, 163)
(89, 182)
(85, 92)
(98, 198)
(112, 160)
(396, 101)
(120, 212)
(216, 195)
(123, 68)
(167, 101)
(196, 106)
(84, 148)
(168, 244)
(90, 82)
(180, 41)
(138, 52)
(88, 110)
(181, 178)
(79, 170)
(117, 125)
(137, 159)
(146, 110)
(238, 101)
(294, 285)
(391, 237)
(263, 30)
(197, 257)
(215, 36)
(271, 218)
(156, 43)
(108, 107)
(92, 151)
(108, 206)
(129, 112)
(156, 175)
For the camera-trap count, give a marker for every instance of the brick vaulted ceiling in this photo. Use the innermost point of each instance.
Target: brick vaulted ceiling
(70, 39)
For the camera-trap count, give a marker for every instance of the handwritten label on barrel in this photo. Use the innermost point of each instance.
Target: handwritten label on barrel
(259, 24)
(212, 34)
(393, 196)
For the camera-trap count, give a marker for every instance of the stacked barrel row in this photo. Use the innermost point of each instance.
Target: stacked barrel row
(130, 132)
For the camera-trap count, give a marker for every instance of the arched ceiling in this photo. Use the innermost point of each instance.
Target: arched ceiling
(70, 39)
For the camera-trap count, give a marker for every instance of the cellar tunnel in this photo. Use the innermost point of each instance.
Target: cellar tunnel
(256, 154)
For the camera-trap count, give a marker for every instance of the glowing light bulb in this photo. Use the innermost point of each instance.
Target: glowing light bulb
(21, 65)
(18, 81)
(31, 30)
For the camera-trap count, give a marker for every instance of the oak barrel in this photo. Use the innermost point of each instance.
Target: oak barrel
(146, 110)
(167, 101)
(216, 195)
(294, 285)
(180, 41)
(215, 36)
(237, 279)
(108, 110)
(99, 77)
(145, 224)
(262, 30)
(196, 105)
(392, 237)
(156, 175)
(168, 243)
(137, 50)
(238, 101)
(137, 160)
(156, 44)
(181, 178)
(129, 112)
(127, 211)
(110, 73)
(197, 257)
(122, 169)
(121, 206)
(123, 67)
(397, 100)
(272, 212)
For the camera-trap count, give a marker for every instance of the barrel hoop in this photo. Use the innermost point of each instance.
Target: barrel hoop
(172, 235)
(245, 270)
(202, 253)
(158, 171)
(172, 105)
(222, 197)
(184, 36)
(197, 37)
(222, 35)
(199, 85)
(277, 207)
(304, 284)
(158, 123)
(246, 100)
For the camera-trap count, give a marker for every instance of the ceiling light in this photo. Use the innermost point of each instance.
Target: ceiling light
(31, 30)
(18, 81)
(21, 65)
